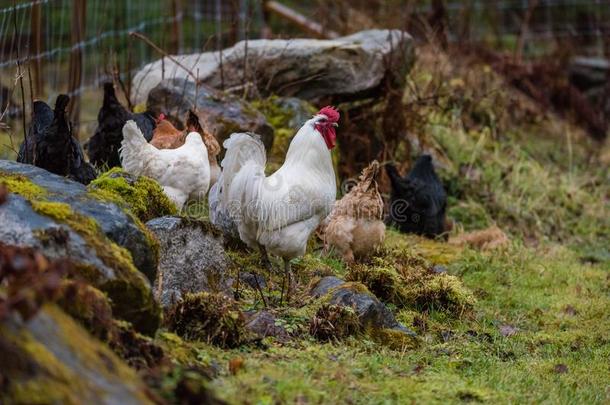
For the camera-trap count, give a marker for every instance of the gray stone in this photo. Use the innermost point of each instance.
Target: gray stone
(220, 113)
(305, 68)
(372, 313)
(115, 223)
(254, 281)
(262, 324)
(192, 259)
(325, 284)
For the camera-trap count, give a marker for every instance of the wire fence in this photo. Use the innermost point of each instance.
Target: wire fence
(43, 35)
(71, 46)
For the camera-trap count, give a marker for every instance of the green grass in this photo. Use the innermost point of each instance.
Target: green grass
(537, 331)
(558, 305)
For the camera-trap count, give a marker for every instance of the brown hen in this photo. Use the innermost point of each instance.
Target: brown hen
(167, 136)
(355, 226)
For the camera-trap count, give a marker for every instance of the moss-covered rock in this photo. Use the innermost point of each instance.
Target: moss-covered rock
(58, 217)
(212, 318)
(405, 279)
(143, 196)
(116, 220)
(51, 359)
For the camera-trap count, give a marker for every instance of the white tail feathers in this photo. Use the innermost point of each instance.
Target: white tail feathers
(241, 148)
(133, 147)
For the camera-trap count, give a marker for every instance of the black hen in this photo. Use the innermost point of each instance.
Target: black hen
(103, 147)
(418, 200)
(50, 144)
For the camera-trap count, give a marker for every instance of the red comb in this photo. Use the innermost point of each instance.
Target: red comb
(161, 117)
(331, 113)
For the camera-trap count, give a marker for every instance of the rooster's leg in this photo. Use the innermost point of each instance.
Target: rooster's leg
(287, 276)
(265, 259)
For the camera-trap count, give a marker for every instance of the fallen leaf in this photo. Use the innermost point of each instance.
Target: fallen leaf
(561, 368)
(236, 364)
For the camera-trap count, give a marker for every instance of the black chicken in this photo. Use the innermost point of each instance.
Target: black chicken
(418, 200)
(50, 144)
(103, 147)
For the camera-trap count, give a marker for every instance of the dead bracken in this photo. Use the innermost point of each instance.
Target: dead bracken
(334, 322)
(208, 317)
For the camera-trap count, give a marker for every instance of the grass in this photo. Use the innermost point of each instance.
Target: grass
(556, 305)
(537, 330)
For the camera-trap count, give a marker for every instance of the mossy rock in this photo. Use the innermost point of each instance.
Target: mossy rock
(116, 220)
(107, 246)
(374, 318)
(143, 196)
(51, 359)
(211, 318)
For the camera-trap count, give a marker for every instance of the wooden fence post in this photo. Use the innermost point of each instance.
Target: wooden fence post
(77, 35)
(36, 49)
(174, 45)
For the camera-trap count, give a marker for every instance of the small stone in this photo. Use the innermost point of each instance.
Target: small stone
(439, 269)
(263, 324)
(254, 281)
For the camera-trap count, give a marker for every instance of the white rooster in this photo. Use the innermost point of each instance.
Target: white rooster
(184, 172)
(278, 213)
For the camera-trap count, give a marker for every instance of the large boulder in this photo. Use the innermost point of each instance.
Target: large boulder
(50, 359)
(62, 219)
(192, 259)
(220, 113)
(305, 68)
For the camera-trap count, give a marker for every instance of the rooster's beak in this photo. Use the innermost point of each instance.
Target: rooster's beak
(334, 124)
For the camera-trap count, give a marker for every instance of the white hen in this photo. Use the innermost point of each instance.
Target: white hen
(184, 173)
(281, 211)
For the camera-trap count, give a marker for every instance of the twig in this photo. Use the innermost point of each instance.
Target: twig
(524, 28)
(162, 52)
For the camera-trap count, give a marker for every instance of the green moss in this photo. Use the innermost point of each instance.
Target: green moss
(22, 185)
(406, 279)
(142, 196)
(395, 339)
(56, 210)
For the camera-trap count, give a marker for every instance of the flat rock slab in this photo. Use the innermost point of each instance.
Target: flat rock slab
(192, 259)
(304, 68)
